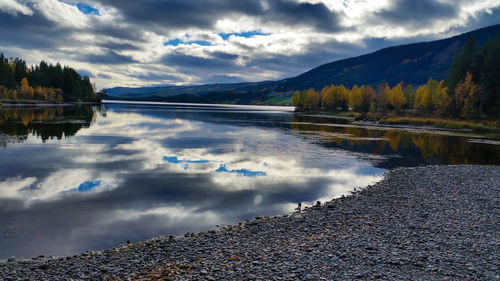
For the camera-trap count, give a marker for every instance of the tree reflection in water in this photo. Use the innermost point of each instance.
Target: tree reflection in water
(45, 122)
(417, 147)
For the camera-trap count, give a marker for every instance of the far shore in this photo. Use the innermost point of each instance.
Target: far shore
(30, 103)
(423, 223)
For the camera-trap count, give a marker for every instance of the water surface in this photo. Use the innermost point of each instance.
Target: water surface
(87, 178)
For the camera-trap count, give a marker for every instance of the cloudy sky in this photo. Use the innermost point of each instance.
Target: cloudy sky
(159, 42)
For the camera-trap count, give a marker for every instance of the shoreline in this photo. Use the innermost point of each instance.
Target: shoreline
(423, 223)
(437, 123)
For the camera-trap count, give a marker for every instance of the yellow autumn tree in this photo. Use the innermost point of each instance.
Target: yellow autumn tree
(396, 97)
(296, 99)
(423, 100)
(313, 99)
(41, 93)
(342, 97)
(355, 98)
(25, 90)
(328, 98)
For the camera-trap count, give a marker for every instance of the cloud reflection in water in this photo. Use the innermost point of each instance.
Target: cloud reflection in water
(145, 171)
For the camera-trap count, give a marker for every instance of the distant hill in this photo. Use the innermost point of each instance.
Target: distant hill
(169, 91)
(412, 64)
(117, 91)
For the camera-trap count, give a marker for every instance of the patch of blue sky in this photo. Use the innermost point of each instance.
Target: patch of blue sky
(247, 34)
(87, 9)
(241, 172)
(176, 42)
(86, 186)
(173, 42)
(176, 160)
(200, 42)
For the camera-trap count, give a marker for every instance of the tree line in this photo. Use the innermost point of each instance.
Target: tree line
(44, 82)
(471, 91)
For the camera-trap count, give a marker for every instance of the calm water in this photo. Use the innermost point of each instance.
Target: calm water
(86, 178)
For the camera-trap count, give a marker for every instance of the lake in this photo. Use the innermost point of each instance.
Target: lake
(77, 178)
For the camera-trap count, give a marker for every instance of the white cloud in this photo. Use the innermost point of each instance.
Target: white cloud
(64, 14)
(14, 8)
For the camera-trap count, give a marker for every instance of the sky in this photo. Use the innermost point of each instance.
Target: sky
(184, 42)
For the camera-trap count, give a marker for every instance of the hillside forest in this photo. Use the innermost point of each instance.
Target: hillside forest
(43, 82)
(471, 91)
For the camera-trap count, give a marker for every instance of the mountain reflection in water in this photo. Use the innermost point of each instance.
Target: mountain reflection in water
(83, 178)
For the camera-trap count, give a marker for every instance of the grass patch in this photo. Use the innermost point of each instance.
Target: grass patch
(279, 101)
(353, 114)
(442, 123)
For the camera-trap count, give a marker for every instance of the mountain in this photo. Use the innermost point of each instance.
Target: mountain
(411, 63)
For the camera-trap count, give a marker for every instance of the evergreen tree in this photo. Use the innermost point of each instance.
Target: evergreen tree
(6, 75)
(463, 62)
(491, 74)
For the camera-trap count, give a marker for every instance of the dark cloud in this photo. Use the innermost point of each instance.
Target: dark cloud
(293, 13)
(134, 33)
(85, 73)
(184, 61)
(104, 76)
(417, 13)
(220, 66)
(224, 55)
(110, 57)
(177, 14)
(31, 32)
(157, 77)
(222, 79)
(118, 46)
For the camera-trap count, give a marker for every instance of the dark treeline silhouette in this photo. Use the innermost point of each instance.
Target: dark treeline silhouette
(45, 82)
(472, 91)
(474, 78)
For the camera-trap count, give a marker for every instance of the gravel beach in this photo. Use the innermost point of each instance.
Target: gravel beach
(425, 223)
